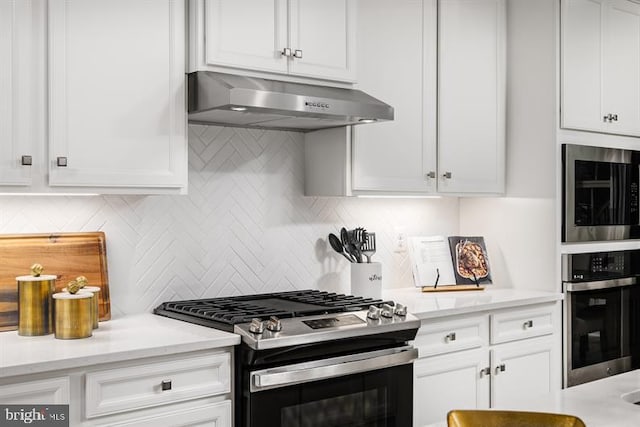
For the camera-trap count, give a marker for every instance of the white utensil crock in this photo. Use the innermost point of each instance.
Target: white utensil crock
(366, 279)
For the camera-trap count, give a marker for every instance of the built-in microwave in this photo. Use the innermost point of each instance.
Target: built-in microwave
(600, 193)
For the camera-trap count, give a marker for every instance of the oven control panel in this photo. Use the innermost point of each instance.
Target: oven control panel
(275, 332)
(596, 266)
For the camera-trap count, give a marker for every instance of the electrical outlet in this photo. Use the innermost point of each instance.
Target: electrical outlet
(401, 242)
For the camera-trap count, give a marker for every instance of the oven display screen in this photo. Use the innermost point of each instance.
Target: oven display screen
(332, 322)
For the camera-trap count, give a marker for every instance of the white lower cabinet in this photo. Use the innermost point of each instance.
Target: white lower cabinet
(191, 389)
(484, 370)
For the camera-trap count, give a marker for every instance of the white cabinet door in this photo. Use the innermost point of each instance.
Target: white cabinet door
(451, 381)
(471, 96)
(322, 38)
(397, 155)
(117, 93)
(621, 66)
(211, 415)
(521, 370)
(246, 34)
(582, 47)
(16, 96)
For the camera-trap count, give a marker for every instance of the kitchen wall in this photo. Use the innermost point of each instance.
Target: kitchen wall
(245, 226)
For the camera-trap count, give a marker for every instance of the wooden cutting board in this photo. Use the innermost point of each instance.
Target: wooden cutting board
(66, 255)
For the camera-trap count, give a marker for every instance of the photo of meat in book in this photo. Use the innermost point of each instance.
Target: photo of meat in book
(470, 260)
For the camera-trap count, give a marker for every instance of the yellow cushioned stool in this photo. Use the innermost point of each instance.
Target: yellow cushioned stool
(488, 418)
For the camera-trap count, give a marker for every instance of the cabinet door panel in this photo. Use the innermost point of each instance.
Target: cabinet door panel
(471, 96)
(622, 67)
(531, 362)
(246, 34)
(451, 381)
(117, 93)
(582, 46)
(324, 32)
(52, 391)
(16, 86)
(391, 156)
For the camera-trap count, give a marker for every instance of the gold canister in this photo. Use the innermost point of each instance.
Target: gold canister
(73, 315)
(95, 310)
(35, 309)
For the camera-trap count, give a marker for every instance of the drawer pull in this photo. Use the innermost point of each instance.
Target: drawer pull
(528, 324)
(450, 337)
(500, 368)
(486, 371)
(61, 162)
(166, 385)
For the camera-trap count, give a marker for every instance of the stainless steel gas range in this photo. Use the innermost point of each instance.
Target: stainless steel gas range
(312, 358)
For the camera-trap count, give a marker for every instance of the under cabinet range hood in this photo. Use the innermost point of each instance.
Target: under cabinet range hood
(231, 100)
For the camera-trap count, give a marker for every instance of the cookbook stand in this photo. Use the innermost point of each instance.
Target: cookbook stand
(449, 288)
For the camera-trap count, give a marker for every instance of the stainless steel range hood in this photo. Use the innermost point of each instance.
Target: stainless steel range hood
(230, 100)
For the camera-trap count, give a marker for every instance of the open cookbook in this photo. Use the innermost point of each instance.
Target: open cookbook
(446, 262)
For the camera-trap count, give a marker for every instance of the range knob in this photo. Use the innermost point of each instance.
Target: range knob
(373, 313)
(256, 326)
(387, 311)
(400, 310)
(274, 324)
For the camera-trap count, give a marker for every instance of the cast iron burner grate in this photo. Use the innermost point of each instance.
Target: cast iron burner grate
(223, 313)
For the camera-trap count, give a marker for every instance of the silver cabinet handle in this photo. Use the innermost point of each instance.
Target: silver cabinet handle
(297, 53)
(528, 324)
(26, 161)
(286, 52)
(450, 337)
(61, 162)
(500, 368)
(166, 385)
(430, 174)
(486, 371)
(610, 118)
(446, 175)
(284, 376)
(614, 117)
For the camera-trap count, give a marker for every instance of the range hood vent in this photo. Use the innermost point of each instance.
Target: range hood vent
(230, 100)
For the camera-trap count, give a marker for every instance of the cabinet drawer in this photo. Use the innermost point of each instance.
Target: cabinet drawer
(453, 335)
(121, 389)
(53, 391)
(212, 415)
(515, 325)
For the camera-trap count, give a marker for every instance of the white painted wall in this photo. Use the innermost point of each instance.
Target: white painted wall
(520, 229)
(245, 226)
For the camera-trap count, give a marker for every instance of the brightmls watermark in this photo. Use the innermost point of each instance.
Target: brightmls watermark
(34, 415)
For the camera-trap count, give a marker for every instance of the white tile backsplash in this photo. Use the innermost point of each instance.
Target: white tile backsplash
(245, 226)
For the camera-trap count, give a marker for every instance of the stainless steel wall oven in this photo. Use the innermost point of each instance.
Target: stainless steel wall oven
(601, 314)
(600, 193)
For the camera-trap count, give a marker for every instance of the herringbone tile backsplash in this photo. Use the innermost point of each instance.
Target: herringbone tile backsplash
(245, 226)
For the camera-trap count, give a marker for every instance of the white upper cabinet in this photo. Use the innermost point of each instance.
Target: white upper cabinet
(305, 38)
(393, 54)
(471, 96)
(246, 34)
(16, 93)
(601, 66)
(441, 65)
(117, 99)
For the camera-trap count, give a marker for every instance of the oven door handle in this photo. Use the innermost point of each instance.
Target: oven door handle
(602, 284)
(284, 376)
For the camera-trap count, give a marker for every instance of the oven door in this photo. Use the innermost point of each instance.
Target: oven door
(600, 194)
(372, 389)
(599, 320)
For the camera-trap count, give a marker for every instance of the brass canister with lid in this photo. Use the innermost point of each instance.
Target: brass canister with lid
(35, 308)
(73, 315)
(95, 307)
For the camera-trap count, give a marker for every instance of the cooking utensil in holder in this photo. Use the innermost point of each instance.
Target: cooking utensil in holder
(366, 279)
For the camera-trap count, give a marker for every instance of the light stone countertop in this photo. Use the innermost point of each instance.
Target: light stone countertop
(598, 403)
(124, 338)
(429, 305)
